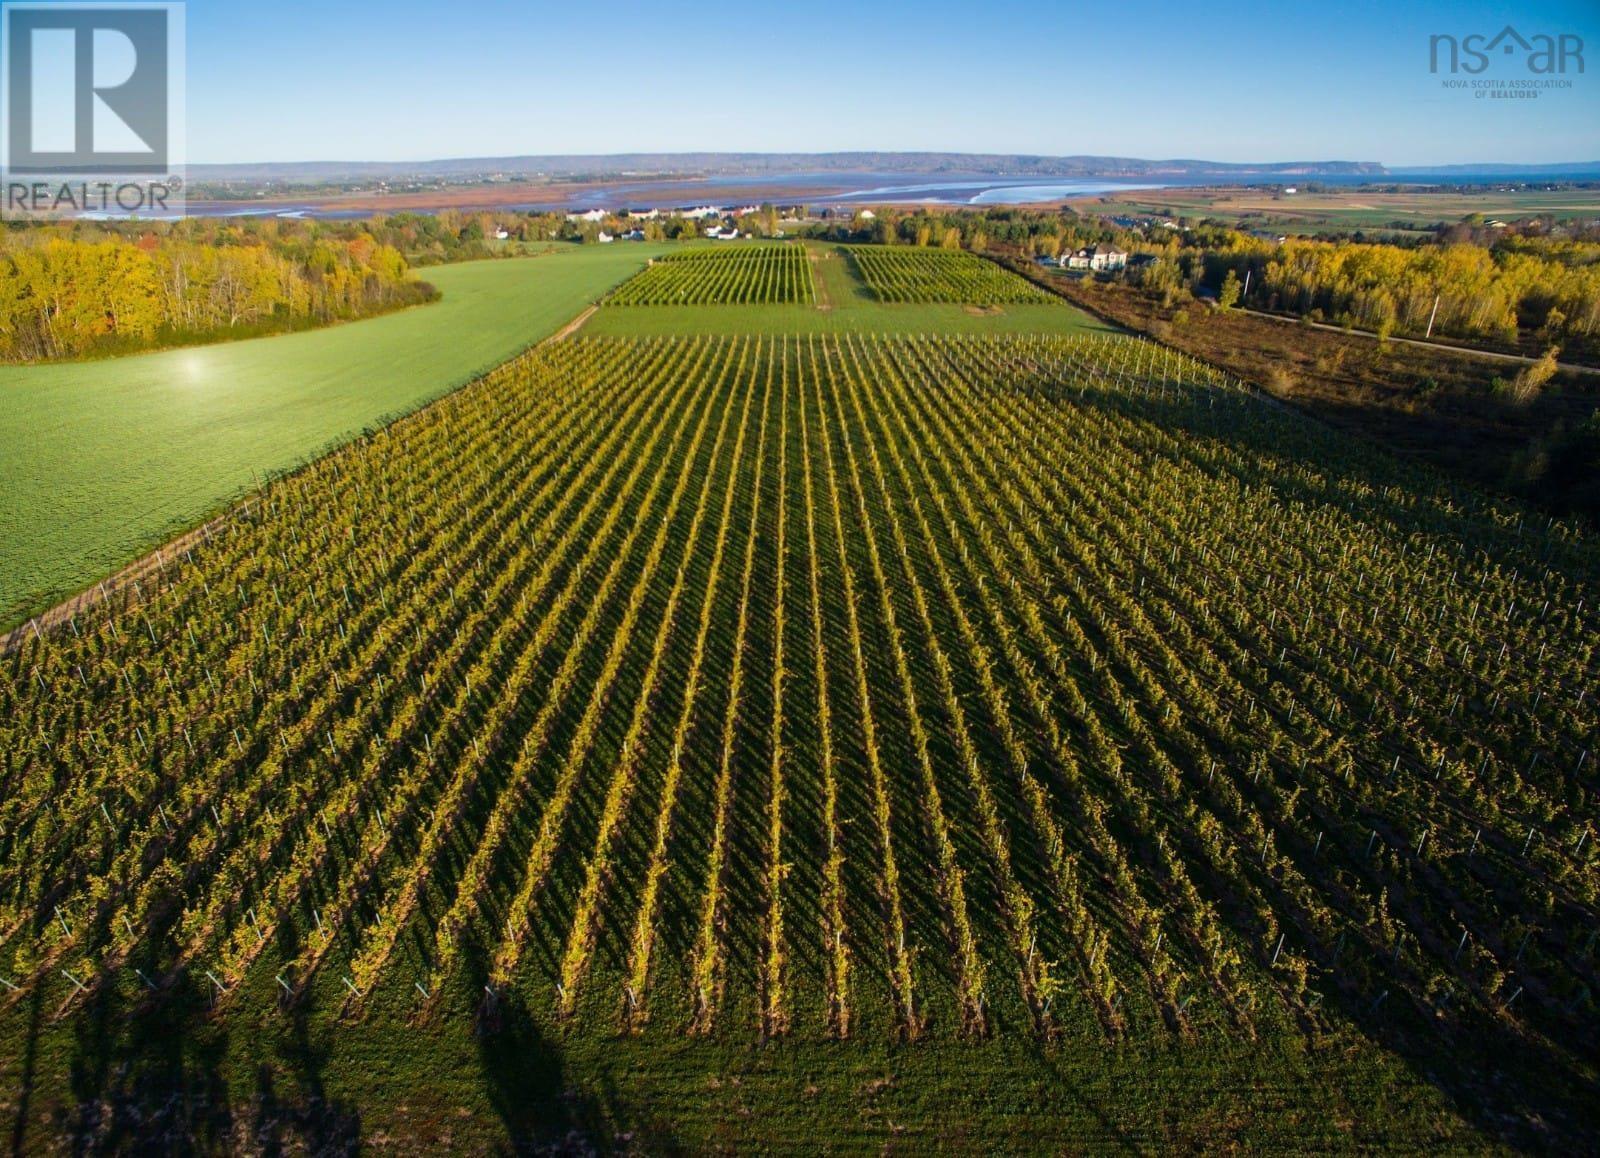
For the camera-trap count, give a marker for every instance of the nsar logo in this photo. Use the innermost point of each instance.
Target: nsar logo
(1540, 55)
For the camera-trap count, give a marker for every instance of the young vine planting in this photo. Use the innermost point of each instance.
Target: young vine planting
(902, 274)
(747, 274)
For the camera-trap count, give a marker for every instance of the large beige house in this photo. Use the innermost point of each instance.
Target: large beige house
(1102, 258)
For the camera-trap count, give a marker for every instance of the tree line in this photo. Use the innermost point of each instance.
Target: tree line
(77, 290)
(1550, 289)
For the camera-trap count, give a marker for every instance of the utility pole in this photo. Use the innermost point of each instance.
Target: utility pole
(1433, 314)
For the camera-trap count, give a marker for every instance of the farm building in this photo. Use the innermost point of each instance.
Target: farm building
(1101, 258)
(589, 215)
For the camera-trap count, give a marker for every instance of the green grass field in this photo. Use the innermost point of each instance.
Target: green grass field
(847, 741)
(101, 461)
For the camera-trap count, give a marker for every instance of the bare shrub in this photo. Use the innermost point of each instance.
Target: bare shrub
(1281, 381)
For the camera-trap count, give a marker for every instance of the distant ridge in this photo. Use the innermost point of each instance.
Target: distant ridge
(1488, 169)
(557, 166)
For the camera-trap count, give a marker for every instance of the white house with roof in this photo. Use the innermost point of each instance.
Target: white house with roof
(1101, 258)
(592, 215)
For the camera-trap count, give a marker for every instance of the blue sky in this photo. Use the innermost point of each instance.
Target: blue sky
(410, 80)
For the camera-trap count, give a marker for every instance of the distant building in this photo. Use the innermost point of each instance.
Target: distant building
(643, 214)
(633, 235)
(721, 234)
(867, 215)
(1143, 260)
(592, 215)
(501, 234)
(1046, 260)
(1101, 258)
(1290, 190)
(604, 238)
(700, 213)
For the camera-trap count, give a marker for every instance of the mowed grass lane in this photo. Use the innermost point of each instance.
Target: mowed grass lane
(102, 461)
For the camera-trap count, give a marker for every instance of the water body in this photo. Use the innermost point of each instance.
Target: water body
(854, 188)
(992, 191)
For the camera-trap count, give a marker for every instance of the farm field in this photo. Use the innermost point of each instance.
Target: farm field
(1002, 740)
(920, 276)
(750, 274)
(100, 461)
(845, 305)
(1340, 211)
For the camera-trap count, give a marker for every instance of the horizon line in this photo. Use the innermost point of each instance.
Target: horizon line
(1387, 166)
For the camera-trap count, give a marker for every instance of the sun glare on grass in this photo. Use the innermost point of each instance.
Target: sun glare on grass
(194, 368)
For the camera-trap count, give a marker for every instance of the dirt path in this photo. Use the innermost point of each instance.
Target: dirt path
(570, 328)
